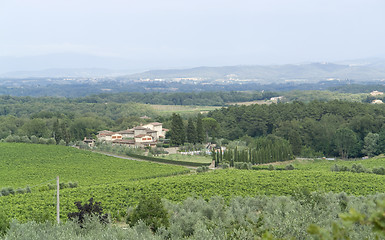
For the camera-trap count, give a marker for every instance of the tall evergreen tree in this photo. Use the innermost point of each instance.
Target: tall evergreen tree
(57, 132)
(200, 135)
(191, 132)
(177, 131)
(65, 132)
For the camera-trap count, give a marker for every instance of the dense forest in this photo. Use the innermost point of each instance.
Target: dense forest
(316, 128)
(336, 128)
(43, 87)
(193, 98)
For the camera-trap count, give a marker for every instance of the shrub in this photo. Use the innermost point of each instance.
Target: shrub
(51, 141)
(243, 165)
(238, 165)
(20, 191)
(379, 171)
(63, 185)
(224, 166)
(246, 166)
(4, 223)
(34, 139)
(10, 138)
(25, 139)
(289, 167)
(358, 168)
(271, 167)
(4, 192)
(151, 211)
(11, 191)
(202, 169)
(72, 185)
(90, 209)
(42, 141)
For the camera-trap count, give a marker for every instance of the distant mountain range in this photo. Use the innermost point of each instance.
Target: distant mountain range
(65, 72)
(65, 65)
(361, 70)
(312, 72)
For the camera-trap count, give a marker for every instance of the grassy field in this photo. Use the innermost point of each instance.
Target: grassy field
(188, 158)
(252, 102)
(169, 109)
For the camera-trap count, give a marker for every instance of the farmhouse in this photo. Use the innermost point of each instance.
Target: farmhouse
(89, 141)
(139, 136)
(377, 101)
(376, 93)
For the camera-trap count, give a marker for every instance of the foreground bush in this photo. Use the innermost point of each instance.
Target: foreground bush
(261, 217)
(151, 211)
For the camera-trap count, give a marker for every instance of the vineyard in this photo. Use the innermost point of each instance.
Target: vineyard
(326, 165)
(120, 183)
(32, 164)
(117, 197)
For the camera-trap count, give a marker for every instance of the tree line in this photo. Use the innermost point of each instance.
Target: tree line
(336, 128)
(260, 151)
(181, 98)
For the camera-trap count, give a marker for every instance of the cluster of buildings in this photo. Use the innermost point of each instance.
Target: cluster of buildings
(374, 94)
(141, 136)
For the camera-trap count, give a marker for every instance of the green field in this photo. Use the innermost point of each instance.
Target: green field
(117, 197)
(109, 180)
(181, 109)
(31, 164)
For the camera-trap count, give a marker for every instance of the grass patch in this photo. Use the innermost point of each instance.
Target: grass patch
(182, 109)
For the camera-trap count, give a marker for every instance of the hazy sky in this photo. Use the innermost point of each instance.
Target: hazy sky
(195, 32)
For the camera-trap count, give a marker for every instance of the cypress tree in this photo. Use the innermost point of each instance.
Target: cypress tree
(214, 155)
(66, 134)
(56, 131)
(200, 135)
(191, 132)
(177, 131)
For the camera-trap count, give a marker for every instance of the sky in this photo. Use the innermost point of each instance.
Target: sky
(188, 33)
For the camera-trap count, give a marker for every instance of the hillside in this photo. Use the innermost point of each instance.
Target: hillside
(303, 73)
(110, 180)
(32, 164)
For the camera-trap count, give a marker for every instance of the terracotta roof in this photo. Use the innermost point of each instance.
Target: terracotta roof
(165, 129)
(106, 134)
(156, 123)
(151, 131)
